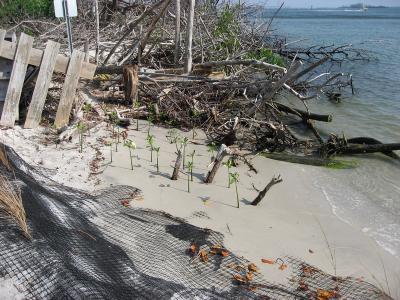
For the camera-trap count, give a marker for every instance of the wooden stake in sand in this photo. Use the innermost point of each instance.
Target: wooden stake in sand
(189, 38)
(131, 83)
(222, 152)
(178, 164)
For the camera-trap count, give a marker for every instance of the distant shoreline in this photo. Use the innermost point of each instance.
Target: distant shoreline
(360, 6)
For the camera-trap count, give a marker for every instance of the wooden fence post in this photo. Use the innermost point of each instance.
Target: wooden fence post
(69, 89)
(18, 73)
(189, 38)
(42, 85)
(130, 83)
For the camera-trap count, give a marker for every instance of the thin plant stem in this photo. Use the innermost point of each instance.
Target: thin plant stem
(184, 150)
(118, 134)
(229, 182)
(137, 124)
(151, 155)
(188, 183)
(158, 170)
(237, 194)
(130, 156)
(111, 151)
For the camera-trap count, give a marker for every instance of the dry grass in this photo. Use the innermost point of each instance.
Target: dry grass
(11, 203)
(10, 197)
(3, 158)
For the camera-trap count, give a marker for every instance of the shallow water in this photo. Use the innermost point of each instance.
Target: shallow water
(368, 196)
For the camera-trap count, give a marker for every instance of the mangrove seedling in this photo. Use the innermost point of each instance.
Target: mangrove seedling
(110, 144)
(149, 123)
(137, 124)
(87, 108)
(124, 135)
(114, 121)
(192, 164)
(81, 129)
(234, 178)
(157, 149)
(172, 136)
(194, 133)
(190, 169)
(212, 148)
(184, 142)
(229, 165)
(150, 142)
(131, 146)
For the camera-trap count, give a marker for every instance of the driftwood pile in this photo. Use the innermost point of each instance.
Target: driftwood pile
(214, 66)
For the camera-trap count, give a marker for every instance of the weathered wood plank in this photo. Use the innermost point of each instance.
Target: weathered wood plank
(69, 88)
(10, 109)
(9, 48)
(2, 36)
(3, 84)
(42, 85)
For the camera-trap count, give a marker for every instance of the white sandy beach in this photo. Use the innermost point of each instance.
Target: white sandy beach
(286, 222)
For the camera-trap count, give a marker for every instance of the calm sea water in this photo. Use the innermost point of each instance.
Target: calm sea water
(367, 197)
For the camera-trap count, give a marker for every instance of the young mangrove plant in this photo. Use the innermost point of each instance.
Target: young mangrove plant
(131, 146)
(234, 178)
(190, 172)
(194, 133)
(172, 136)
(81, 129)
(212, 148)
(124, 135)
(157, 149)
(229, 165)
(192, 164)
(184, 142)
(114, 122)
(150, 145)
(87, 108)
(149, 123)
(110, 144)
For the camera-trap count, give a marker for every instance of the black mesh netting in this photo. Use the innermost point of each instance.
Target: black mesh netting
(92, 247)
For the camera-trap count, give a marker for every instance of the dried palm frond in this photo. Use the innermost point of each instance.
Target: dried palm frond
(11, 203)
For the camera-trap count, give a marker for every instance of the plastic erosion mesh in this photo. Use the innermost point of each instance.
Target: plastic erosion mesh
(91, 247)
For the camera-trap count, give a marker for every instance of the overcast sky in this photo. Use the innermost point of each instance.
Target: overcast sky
(327, 3)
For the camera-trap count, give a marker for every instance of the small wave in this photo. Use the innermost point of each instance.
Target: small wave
(352, 10)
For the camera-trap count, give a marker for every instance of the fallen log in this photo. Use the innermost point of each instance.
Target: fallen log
(311, 160)
(243, 62)
(360, 149)
(371, 141)
(261, 195)
(310, 68)
(269, 91)
(303, 114)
